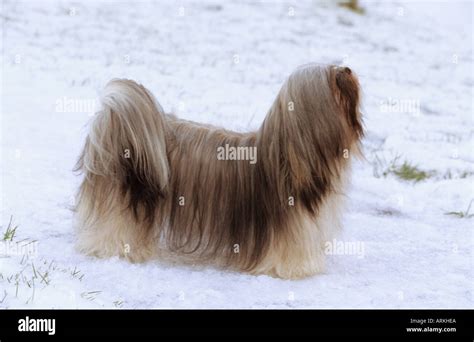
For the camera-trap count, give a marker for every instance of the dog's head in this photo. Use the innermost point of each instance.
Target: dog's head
(346, 91)
(312, 129)
(319, 106)
(328, 95)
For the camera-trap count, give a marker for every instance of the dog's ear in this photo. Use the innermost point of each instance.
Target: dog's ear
(347, 96)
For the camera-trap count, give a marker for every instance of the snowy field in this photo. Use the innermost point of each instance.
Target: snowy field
(223, 63)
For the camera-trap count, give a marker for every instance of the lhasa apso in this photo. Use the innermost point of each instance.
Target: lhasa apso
(264, 202)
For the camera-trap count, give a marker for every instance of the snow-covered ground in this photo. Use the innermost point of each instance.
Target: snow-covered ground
(223, 63)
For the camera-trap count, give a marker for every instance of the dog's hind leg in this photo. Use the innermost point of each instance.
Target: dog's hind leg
(113, 232)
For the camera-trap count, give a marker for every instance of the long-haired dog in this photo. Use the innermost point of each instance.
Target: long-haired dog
(154, 185)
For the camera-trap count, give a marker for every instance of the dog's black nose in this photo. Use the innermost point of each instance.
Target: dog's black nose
(347, 70)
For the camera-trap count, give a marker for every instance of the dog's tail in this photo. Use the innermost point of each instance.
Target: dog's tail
(126, 148)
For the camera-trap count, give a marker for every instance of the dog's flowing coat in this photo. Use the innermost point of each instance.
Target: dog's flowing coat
(154, 187)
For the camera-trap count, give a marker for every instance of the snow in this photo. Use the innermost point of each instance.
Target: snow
(223, 63)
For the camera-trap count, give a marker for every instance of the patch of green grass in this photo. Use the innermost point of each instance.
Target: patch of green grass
(22, 282)
(461, 214)
(9, 234)
(405, 170)
(410, 172)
